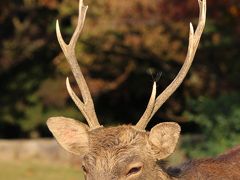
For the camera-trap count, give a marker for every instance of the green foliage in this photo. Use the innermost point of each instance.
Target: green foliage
(219, 123)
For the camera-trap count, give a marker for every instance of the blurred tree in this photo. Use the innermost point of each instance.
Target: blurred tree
(219, 122)
(26, 54)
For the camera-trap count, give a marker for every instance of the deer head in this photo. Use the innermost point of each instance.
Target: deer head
(127, 151)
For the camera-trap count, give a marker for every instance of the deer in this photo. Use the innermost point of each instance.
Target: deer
(129, 152)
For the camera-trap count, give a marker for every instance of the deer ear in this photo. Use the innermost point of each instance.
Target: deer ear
(70, 134)
(164, 138)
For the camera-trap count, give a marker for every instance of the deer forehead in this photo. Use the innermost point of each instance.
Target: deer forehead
(116, 146)
(116, 138)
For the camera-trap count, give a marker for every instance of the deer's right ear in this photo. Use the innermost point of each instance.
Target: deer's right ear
(164, 138)
(71, 134)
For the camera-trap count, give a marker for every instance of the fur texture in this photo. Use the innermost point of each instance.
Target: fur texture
(125, 153)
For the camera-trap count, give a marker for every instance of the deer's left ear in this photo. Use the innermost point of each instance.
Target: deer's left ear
(164, 138)
(71, 134)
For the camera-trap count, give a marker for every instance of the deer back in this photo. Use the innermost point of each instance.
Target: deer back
(223, 167)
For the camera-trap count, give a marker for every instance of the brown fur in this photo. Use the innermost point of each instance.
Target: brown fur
(125, 153)
(112, 149)
(223, 167)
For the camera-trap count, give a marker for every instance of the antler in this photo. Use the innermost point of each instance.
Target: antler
(87, 106)
(194, 38)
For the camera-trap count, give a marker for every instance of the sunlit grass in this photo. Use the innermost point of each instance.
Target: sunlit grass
(35, 170)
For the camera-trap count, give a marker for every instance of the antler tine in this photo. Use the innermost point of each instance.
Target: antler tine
(194, 38)
(87, 106)
(78, 102)
(142, 123)
(192, 48)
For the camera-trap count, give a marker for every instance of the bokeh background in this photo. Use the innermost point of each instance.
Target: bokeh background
(124, 46)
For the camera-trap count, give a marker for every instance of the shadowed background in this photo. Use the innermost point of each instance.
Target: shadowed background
(124, 46)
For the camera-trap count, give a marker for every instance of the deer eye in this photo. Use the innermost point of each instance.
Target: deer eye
(134, 170)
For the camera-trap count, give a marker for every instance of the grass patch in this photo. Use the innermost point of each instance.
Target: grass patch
(35, 170)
